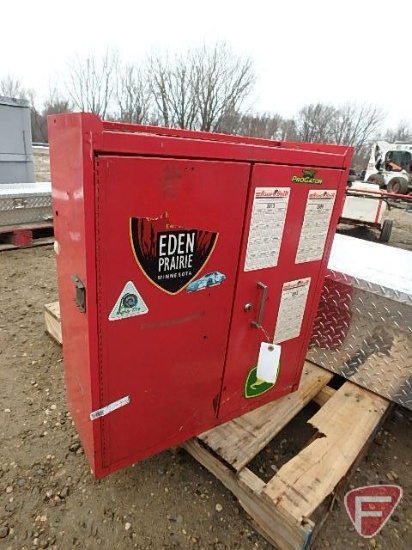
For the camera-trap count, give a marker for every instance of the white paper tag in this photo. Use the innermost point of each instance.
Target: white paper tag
(110, 408)
(268, 362)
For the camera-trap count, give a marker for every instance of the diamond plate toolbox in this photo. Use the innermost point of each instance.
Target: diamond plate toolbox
(24, 203)
(363, 328)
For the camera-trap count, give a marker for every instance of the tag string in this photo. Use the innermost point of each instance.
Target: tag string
(266, 334)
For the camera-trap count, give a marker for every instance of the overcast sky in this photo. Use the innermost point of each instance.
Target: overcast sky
(303, 51)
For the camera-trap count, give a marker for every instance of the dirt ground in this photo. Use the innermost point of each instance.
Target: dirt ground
(48, 498)
(41, 161)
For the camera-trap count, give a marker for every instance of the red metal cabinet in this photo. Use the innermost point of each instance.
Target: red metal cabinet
(179, 255)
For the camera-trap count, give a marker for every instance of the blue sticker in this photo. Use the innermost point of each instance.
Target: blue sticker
(210, 279)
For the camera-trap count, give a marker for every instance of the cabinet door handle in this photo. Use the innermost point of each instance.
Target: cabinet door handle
(264, 289)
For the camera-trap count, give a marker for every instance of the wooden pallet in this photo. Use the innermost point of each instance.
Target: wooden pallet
(289, 509)
(52, 320)
(20, 236)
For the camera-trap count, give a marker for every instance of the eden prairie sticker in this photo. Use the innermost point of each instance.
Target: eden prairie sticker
(170, 256)
(128, 304)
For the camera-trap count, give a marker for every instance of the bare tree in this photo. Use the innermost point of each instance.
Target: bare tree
(201, 88)
(221, 81)
(355, 124)
(173, 91)
(403, 132)
(13, 87)
(133, 96)
(38, 125)
(91, 82)
(232, 123)
(288, 130)
(314, 123)
(182, 97)
(349, 124)
(263, 125)
(158, 73)
(54, 104)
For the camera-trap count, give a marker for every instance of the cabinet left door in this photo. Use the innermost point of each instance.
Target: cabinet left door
(168, 236)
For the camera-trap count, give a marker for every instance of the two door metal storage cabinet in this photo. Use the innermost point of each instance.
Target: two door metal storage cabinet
(180, 255)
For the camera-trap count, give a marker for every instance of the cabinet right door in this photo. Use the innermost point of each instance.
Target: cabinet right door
(290, 220)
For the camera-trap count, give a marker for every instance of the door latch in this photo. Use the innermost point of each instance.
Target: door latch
(264, 289)
(80, 297)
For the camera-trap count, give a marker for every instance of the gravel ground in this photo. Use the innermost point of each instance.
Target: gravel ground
(48, 498)
(41, 163)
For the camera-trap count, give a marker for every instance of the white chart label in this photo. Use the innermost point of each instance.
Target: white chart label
(315, 226)
(291, 310)
(270, 205)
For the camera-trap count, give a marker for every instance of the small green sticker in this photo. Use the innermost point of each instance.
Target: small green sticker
(309, 173)
(255, 387)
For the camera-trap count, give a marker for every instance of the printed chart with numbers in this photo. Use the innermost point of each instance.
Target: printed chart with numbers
(315, 226)
(291, 310)
(270, 205)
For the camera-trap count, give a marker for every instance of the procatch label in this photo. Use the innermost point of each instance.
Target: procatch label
(170, 256)
(128, 304)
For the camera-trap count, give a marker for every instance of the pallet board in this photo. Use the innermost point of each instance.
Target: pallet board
(284, 508)
(52, 321)
(26, 235)
(289, 508)
(344, 424)
(238, 441)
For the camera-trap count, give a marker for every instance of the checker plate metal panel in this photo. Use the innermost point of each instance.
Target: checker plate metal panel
(24, 203)
(363, 329)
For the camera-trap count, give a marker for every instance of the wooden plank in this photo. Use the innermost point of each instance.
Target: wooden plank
(52, 320)
(280, 529)
(345, 423)
(239, 440)
(41, 241)
(321, 513)
(54, 309)
(25, 226)
(324, 395)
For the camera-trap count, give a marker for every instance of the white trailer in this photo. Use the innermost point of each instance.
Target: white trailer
(365, 206)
